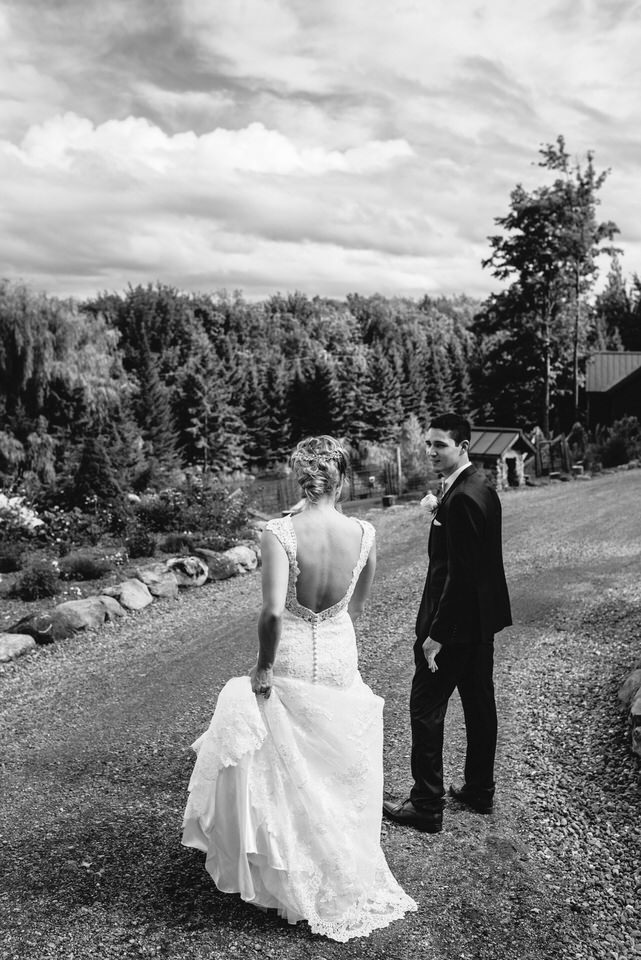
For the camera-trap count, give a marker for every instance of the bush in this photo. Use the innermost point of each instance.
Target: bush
(177, 543)
(10, 557)
(199, 507)
(159, 512)
(78, 566)
(18, 520)
(623, 442)
(140, 543)
(38, 580)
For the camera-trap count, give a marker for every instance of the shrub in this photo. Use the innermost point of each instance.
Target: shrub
(17, 519)
(177, 543)
(140, 543)
(159, 512)
(10, 557)
(78, 566)
(623, 443)
(36, 581)
(199, 507)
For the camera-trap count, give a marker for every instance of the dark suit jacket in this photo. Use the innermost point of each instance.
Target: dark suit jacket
(465, 595)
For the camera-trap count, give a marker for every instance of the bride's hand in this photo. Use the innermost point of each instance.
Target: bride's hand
(261, 680)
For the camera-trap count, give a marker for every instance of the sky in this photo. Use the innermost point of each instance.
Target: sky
(325, 146)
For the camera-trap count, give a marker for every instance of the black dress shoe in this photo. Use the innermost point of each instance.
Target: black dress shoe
(479, 800)
(406, 814)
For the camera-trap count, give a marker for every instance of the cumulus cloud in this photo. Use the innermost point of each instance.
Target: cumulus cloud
(278, 144)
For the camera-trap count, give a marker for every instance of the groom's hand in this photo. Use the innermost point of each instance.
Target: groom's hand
(431, 649)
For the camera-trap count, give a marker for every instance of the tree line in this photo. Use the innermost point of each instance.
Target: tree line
(134, 385)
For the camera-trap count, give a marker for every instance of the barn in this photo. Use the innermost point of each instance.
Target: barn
(613, 387)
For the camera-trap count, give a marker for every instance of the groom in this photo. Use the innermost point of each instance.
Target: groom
(465, 602)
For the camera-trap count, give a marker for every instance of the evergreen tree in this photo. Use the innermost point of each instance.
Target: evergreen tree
(96, 479)
(156, 420)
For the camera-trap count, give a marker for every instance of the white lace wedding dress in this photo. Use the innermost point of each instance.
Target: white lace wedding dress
(286, 793)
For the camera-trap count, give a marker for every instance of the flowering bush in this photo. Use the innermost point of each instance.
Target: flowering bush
(200, 507)
(17, 519)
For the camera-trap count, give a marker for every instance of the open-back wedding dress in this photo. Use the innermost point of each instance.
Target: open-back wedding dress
(286, 793)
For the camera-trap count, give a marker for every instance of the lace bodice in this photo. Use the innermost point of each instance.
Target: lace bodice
(317, 647)
(283, 530)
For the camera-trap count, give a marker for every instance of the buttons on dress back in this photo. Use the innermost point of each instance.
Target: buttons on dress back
(314, 651)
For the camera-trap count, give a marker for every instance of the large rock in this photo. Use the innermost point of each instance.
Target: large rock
(219, 566)
(189, 571)
(254, 547)
(630, 687)
(13, 645)
(160, 581)
(86, 614)
(635, 710)
(243, 557)
(113, 609)
(45, 627)
(132, 594)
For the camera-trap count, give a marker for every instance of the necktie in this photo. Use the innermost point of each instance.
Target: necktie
(441, 490)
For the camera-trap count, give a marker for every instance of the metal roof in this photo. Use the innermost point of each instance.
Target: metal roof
(495, 441)
(608, 367)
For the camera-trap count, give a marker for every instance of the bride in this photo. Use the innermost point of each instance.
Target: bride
(286, 793)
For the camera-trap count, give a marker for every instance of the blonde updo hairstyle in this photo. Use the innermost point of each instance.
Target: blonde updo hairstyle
(320, 466)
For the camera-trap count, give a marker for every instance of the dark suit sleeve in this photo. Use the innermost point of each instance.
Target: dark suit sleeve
(458, 601)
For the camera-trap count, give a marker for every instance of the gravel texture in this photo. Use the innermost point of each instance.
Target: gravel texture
(95, 735)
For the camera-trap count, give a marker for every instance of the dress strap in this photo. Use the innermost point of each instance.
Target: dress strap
(283, 530)
(369, 535)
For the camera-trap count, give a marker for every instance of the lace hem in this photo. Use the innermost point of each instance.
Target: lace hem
(363, 922)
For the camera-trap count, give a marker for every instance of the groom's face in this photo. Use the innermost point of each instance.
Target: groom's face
(444, 454)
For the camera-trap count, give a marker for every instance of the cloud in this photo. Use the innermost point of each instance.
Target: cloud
(321, 145)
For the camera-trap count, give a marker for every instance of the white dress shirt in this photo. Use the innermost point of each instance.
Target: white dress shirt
(448, 481)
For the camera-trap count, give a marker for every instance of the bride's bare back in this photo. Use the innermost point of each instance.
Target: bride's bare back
(328, 548)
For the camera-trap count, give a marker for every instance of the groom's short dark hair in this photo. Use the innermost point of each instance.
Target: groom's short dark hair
(457, 426)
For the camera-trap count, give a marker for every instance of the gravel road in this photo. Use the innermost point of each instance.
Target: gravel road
(95, 735)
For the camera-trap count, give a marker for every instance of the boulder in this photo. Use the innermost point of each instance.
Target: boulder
(113, 610)
(13, 645)
(254, 531)
(635, 710)
(219, 566)
(86, 614)
(243, 557)
(45, 627)
(189, 571)
(160, 581)
(254, 547)
(132, 594)
(636, 740)
(631, 686)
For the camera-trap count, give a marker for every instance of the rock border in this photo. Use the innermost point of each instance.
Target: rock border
(153, 580)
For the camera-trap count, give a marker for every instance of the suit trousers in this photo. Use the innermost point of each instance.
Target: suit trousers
(469, 667)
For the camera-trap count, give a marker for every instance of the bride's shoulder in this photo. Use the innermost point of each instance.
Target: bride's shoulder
(369, 531)
(281, 528)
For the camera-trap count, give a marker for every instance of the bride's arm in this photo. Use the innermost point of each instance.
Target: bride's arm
(275, 574)
(363, 585)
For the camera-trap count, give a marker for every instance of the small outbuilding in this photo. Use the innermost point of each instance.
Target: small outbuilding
(502, 452)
